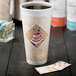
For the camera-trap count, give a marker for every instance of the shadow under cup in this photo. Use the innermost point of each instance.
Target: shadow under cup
(36, 19)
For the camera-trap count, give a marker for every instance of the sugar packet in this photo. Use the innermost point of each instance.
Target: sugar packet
(60, 65)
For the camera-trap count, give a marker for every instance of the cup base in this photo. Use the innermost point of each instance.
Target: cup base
(6, 40)
(36, 63)
(57, 26)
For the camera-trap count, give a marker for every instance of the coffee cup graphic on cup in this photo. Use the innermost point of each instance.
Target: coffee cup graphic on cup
(36, 37)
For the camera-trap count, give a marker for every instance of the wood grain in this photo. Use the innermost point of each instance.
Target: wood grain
(57, 51)
(5, 50)
(70, 41)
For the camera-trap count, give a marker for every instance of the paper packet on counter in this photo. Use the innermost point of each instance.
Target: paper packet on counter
(6, 31)
(60, 65)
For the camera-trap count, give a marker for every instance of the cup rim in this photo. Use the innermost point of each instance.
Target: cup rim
(30, 2)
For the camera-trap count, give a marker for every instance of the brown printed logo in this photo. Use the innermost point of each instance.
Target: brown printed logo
(36, 35)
